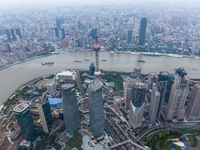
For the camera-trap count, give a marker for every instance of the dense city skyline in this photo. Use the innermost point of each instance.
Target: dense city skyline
(93, 108)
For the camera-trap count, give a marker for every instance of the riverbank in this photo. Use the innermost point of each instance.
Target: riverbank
(28, 59)
(197, 147)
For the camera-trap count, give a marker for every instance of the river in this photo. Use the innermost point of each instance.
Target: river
(13, 77)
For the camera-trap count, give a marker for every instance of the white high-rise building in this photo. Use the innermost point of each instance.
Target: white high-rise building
(178, 95)
(155, 98)
(51, 88)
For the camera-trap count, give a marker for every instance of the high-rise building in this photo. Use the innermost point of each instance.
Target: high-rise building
(112, 42)
(193, 105)
(143, 26)
(51, 88)
(178, 95)
(96, 108)
(63, 33)
(25, 121)
(169, 77)
(152, 78)
(93, 33)
(18, 32)
(45, 113)
(127, 92)
(92, 69)
(56, 32)
(136, 73)
(136, 111)
(154, 103)
(129, 36)
(58, 24)
(162, 90)
(70, 109)
(7, 49)
(13, 34)
(8, 34)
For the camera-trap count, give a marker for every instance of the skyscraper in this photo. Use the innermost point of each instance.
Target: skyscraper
(70, 109)
(152, 78)
(58, 24)
(127, 92)
(18, 32)
(56, 32)
(63, 33)
(162, 90)
(96, 108)
(25, 121)
(45, 113)
(95, 98)
(136, 111)
(178, 95)
(13, 34)
(93, 33)
(192, 110)
(129, 36)
(8, 34)
(169, 77)
(92, 69)
(51, 88)
(154, 103)
(143, 26)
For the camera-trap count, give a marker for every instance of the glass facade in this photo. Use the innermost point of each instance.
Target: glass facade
(26, 124)
(70, 109)
(142, 31)
(47, 113)
(96, 109)
(138, 95)
(92, 69)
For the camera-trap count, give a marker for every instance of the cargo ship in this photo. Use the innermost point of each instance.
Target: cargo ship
(47, 63)
(77, 61)
(103, 60)
(141, 61)
(152, 54)
(86, 60)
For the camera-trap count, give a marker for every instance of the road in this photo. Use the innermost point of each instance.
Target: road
(169, 127)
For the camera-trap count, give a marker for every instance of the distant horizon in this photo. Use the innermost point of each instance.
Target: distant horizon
(86, 2)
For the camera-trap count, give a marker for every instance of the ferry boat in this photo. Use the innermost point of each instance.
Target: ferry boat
(86, 60)
(103, 60)
(77, 61)
(152, 54)
(55, 52)
(141, 61)
(47, 63)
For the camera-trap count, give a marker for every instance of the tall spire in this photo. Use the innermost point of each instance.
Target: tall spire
(96, 47)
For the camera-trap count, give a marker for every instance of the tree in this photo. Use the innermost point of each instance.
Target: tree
(160, 135)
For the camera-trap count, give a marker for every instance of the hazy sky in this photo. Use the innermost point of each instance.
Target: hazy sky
(93, 1)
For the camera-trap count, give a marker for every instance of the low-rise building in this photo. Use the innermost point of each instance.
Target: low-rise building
(119, 102)
(66, 75)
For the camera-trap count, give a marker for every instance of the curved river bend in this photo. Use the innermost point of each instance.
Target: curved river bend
(13, 77)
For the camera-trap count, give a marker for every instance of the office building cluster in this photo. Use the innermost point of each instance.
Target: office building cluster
(168, 96)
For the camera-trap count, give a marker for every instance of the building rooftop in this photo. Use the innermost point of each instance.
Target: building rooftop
(95, 85)
(67, 86)
(21, 107)
(66, 73)
(50, 83)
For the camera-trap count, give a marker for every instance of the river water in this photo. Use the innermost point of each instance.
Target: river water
(13, 77)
